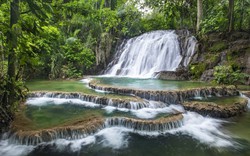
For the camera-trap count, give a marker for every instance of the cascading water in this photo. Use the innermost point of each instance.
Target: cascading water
(144, 125)
(152, 52)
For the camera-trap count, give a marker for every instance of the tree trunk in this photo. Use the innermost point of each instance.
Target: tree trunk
(241, 14)
(1, 56)
(231, 15)
(12, 40)
(113, 4)
(199, 15)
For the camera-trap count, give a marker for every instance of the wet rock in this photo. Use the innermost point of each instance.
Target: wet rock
(214, 110)
(246, 93)
(170, 97)
(75, 131)
(102, 100)
(208, 75)
(159, 125)
(179, 74)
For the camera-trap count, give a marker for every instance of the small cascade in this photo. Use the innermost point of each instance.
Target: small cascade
(69, 132)
(83, 97)
(248, 99)
(138, 105)
(159, 125)
(171, 97)
(104, 101)
(152, 52)
(91, 127)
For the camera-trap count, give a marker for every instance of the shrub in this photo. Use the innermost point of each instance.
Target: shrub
(226, 75)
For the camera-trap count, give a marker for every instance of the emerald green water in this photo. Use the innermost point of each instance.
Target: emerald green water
(68, 86)
(55, 115)
(150, 84)
(240, 126)
(58, 85)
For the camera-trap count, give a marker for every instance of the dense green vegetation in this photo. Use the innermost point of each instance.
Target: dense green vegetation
(68, 38)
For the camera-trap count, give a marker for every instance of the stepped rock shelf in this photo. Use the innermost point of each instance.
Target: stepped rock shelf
(169, 97)
(214, 110)
(135, 100)
(83, 128)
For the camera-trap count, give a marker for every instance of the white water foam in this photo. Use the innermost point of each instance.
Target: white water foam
(147, 113)
(86, 80)
(248, 99)
(152, 111)
(43, 101)
(114, 137)
(205, 129)
(7, 149)
(74, 145)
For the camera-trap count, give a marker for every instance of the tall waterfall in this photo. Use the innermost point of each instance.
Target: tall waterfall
(152, 52)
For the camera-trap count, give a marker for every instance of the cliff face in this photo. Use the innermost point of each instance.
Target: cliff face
(103, 49)
(221, 49)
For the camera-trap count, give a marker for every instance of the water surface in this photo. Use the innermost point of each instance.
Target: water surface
(150, 84)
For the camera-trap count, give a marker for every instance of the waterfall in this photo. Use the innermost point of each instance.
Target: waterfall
(152, 52)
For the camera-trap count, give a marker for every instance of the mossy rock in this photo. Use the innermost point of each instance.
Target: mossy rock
(218, 46)
(197, 69)
(217, 109)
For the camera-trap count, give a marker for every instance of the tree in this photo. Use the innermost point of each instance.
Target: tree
(231, 15)
(199, 15)
(12, 42)
(11, 86)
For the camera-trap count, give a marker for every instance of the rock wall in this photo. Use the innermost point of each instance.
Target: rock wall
(221, 49)
(103, 49)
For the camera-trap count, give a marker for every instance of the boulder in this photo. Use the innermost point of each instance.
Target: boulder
(208, 75)
(180, 74)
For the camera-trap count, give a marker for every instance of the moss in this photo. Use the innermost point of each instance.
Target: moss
(197, 70)
(243, 87)
(218, 46)
(248, 50)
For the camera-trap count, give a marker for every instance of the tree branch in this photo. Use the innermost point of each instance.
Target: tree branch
(25, 12)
